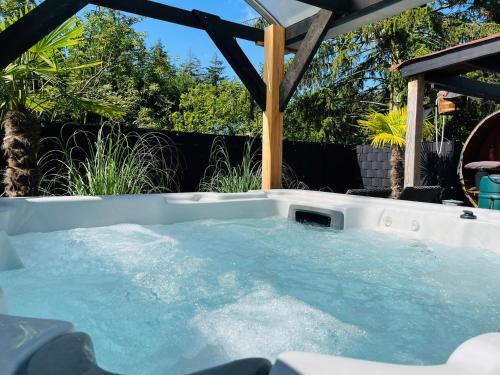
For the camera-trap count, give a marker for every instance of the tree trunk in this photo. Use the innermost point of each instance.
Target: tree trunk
(20, 146)
(397, 171)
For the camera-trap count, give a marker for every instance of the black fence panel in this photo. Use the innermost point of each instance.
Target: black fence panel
(320, 166)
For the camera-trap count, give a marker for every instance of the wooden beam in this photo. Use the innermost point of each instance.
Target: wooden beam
(304, 56)
(163, 12)
(272, 132)
(414, 129)
(30, 29)
(466, 86)
(235, 56)
(287, 50)
(487, 64)
(489, 48)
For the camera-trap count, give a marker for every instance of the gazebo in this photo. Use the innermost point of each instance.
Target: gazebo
(445, 69)
(298, 26)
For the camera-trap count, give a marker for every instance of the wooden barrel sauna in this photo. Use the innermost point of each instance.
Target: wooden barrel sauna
(483, 144)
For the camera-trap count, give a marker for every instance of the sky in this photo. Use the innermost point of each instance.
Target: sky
(182, 42)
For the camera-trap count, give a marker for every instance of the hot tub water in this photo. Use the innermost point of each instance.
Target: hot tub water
(177, 298)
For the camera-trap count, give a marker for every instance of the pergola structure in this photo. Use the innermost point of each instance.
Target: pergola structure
(296, 25)
(445, 69)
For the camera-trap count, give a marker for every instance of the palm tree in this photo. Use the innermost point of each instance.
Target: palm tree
(30, 87)
(389, 130)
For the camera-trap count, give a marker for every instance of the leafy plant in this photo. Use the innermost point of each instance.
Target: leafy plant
(389, 130)
(37, 79)
(111, 163)
(224, 108)
(441, 170)
(224, 177)
(30, 86)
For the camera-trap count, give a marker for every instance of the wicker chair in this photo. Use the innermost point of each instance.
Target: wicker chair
(373, 192)
(426, 194)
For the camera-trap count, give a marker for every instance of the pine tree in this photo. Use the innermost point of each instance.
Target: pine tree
(215, 71)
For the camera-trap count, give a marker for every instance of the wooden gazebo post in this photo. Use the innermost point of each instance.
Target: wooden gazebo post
(272, 132)
(414, 129)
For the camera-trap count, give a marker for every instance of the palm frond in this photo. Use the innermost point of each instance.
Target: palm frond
(99, 107)
(40, 76)
(38, 104)
(389, 130)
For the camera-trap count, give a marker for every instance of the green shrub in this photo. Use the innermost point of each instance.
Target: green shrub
(224, 177)
(111, 163)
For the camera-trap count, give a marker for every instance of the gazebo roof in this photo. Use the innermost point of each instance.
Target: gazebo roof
(298, 15)
(444, 68)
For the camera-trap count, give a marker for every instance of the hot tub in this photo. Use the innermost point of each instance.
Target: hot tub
(173, 283)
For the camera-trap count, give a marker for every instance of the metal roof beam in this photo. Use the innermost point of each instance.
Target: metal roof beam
(162, 12)
(235, 56)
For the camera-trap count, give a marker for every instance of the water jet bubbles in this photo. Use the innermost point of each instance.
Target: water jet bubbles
(415, 226)
(388, 221)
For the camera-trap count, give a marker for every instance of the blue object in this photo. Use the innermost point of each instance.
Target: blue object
(489, 192)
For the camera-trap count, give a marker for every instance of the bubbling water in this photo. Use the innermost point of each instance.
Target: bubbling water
(178, 298)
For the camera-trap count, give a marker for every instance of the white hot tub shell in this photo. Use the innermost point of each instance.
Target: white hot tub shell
(437, 223)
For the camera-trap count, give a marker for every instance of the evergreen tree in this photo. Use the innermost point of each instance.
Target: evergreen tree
(214, 73)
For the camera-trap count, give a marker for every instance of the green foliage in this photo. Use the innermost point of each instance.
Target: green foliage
(10, 8)
(324, 116)
(215, 71)
(390, 129)
(349, 76)
(354, 67)
(109, 37)
(114, 163)
(224, 177)
(41, 77)
(218, 109)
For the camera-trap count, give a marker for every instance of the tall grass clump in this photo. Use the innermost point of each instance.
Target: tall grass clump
(111, 163)
(223, 177)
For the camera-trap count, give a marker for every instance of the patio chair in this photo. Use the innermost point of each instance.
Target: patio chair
(426, 194)
(372, 192)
